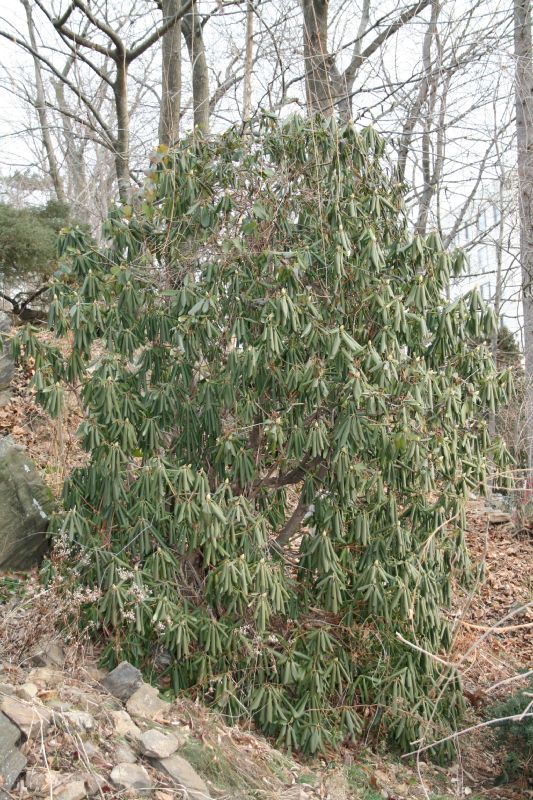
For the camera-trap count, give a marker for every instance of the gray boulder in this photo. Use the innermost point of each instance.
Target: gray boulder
(156, 744)
(7, 367)
(131, 776)
(12, 762)
(123, 681)
(184, 776)
(146, 703)
(25, 505)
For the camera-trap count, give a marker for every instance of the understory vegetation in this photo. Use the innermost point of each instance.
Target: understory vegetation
(515, 735)
(284, 418)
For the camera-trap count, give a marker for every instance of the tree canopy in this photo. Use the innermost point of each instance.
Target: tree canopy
(282, 431)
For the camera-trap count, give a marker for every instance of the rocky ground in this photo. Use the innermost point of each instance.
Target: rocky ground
(70, 731)
(69, 737)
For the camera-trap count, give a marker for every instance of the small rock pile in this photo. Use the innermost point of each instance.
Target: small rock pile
(120, 739)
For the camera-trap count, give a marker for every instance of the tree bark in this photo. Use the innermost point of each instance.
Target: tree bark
(248, 62)
(193, 34)
(329, 91)
(318, 86)
(169, 119)
(524, 131)
(498, 292)
(73, 153)
(40, 104)
(122, 142)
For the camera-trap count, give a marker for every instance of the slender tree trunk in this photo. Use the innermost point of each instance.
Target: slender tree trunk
(497, 293)
(329, 91)
(413, 116)
(73, 153)
(524, 130)
(248, 62)
(122, 143)
(193, 34)
(316, 57)
(40, 104)
(169, 119)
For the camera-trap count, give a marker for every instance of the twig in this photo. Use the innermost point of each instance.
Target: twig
(496, 628)
(488, 723)
(426, 652)
(510, 680)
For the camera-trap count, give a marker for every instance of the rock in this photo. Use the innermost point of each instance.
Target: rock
(12, 762)
(156, 744)
(89, 750)
(81, 699)
(9, 733)
(125, 726)
(80, 720)
(7, 688)
(7, 367)
(45, 676)
(184, 776)
(74, 790)
(25, 504)
(94, 783)
(124, 754)
(12, 765)
(123, 681)
(294, 793)
(42, 781)
(95, 673)
(48, 654)
(131, 776)
(33, 720)
(145, 702)
(28, 692)
(499, 517)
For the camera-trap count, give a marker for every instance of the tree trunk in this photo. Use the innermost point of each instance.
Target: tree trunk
(169, 119)
(524, 131)
(325, 87)
(248, 62)
(316, 58)
(40, 104)
(413, 117)
(498, 293)
(73, 154)
(122, 143)
(193, 34)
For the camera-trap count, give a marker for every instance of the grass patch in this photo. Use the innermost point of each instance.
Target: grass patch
(307, 779)
(213, 766)
(11, 586)
(357, 780)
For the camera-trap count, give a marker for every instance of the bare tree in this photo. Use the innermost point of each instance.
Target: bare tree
(248, 62)
(169, 118)
(88, 46)
(327, 88)
(40, 105)
(194, 39)
(524, 131)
